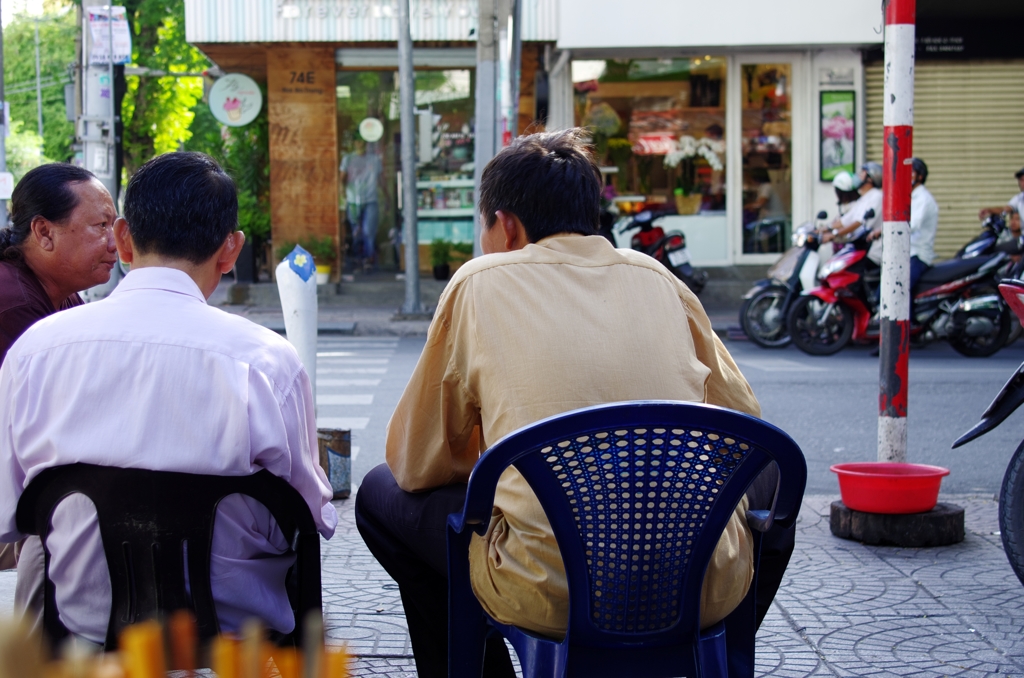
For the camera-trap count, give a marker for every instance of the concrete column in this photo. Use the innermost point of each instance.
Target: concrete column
(407, 101)
(894, 313)
(486, 136)
(560, 108)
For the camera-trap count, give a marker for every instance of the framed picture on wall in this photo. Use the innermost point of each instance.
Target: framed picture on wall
(838, 133)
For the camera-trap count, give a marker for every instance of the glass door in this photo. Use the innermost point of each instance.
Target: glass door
(768, 156)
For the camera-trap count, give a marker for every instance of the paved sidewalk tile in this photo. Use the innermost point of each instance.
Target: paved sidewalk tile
(844, 609)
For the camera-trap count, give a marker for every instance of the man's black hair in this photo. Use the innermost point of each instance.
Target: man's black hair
(45, 191)
(549, 180)
(181, 205)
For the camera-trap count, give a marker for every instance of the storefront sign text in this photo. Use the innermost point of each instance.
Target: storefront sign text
(377, 9)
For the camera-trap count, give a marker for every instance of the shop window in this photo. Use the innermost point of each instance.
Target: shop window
(369, 125)
(767, 156)
(658, 127)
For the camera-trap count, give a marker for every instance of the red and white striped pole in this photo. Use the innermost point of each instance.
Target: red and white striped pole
(894, 314)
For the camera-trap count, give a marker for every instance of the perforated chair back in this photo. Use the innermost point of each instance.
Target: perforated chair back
(151, 522)
(637, 495)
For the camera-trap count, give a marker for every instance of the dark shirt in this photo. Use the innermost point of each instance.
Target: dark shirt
(23, 301)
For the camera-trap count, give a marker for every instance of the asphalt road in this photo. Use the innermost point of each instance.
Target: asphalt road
(829, 405)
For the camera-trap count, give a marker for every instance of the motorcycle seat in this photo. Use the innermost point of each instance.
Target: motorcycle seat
(950, 270)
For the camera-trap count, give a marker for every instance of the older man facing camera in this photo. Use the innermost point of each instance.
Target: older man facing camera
(552, 319)
(60, 242)
(153, 378)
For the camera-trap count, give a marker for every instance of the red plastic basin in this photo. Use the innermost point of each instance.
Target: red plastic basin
(885, 487)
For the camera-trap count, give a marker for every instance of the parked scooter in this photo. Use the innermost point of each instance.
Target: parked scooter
(1011, 495)
(953, 300)
(766, 305)
(668, 248)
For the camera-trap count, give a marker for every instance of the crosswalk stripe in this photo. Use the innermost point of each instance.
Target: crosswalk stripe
(344, 423)
(345, 399)
(356, 361)
(349, 354)
(347, 382)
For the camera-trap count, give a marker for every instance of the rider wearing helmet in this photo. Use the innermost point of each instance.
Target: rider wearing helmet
(855, 222)
(845, 185)
(924, 222)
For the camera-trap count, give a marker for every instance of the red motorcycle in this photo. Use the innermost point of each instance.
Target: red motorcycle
(956, 300)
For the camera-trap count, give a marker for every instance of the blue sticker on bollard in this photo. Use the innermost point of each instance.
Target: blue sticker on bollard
(301, 262)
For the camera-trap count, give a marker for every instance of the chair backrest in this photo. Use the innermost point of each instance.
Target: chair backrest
(151, 522)
(637, 495)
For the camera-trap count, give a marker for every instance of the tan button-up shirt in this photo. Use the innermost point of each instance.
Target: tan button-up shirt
(562, 324)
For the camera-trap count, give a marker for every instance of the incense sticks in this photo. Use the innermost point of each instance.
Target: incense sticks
(142, 654)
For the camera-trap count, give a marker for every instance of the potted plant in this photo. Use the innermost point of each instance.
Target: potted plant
(324, 255)
(620, 150)
(685, 156)
(440, 256)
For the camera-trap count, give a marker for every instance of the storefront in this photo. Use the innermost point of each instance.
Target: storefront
(968, 99)
(739, 130)
(330, 69)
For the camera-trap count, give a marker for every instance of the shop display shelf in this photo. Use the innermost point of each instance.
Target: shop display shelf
(449, 212)
(448, 183)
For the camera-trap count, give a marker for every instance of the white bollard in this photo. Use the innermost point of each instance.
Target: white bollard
(296, 283)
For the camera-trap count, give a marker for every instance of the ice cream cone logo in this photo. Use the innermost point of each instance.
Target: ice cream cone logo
(234, 109)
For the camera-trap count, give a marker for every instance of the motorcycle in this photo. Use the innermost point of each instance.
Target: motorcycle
(1011, 495)
(766, 305)
(667, 248)
(953, 300)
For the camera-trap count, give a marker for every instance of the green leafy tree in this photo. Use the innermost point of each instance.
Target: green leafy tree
(57, 31)
(158, 112)
(24, 150)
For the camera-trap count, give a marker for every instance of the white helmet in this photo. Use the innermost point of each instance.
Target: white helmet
(844, 181)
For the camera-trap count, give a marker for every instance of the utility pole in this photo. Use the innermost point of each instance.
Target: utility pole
(3, 130)
(39, 84)
(894, 317)
(407, 104)
(486, 135)
(97, 122)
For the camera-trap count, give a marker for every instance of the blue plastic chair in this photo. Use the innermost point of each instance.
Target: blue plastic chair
(678, 470)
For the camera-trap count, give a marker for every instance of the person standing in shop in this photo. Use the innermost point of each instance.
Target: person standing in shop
(359, 175)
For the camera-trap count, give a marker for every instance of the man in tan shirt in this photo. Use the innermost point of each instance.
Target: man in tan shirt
(551, 320)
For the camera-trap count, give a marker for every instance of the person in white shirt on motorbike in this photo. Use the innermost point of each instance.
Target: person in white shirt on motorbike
(855, 222)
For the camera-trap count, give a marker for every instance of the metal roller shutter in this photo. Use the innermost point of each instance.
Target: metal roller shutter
(969, 128)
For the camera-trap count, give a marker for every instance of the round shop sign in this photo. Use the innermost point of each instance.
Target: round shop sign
(235, 100)
(371, 129)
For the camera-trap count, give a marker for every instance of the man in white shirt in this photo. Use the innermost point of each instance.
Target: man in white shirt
(856, 222)
(1016, 202)
(153, 378)
(924, 222)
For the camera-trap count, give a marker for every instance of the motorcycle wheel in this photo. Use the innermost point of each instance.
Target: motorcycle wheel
(1011, 512)
(983, 347)
(764, 319)
(814, 335)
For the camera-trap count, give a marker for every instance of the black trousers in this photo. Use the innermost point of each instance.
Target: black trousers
(407, 534)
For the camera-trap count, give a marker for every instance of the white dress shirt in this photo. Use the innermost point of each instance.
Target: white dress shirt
(872, 200)
(924, 222)
(154, 378)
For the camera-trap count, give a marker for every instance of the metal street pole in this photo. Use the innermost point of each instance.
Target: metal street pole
(3, 130)
(485, 132)
(517, 64)
(39, 84)
(407, 104)
(894, 322)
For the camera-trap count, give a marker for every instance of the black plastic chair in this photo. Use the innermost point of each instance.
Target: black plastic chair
(637, 494)
(150, 523)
